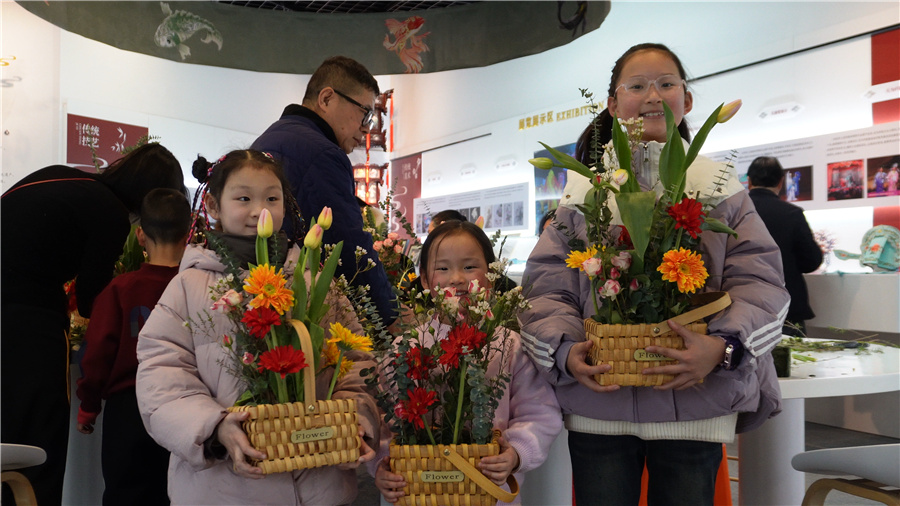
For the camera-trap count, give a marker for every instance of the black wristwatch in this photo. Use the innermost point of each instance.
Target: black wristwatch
(733, 353)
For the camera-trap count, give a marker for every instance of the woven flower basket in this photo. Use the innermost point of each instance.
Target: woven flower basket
(624, 346)
(447, 475)
(303, 435)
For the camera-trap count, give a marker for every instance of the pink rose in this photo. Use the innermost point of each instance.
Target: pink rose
(393, 236)
(634, 285)
(610, 289)
(388, 242)
(376, 246)
(248, 358)
(226, 340)
(622, 260)
(591, 266)
(228, 300)
(398, 249)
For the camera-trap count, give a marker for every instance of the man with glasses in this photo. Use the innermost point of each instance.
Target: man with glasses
(312, 142)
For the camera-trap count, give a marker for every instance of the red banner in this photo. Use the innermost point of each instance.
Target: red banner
(108, 139)
(407, 184)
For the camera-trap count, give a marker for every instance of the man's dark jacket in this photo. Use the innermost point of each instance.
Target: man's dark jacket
(799, 251)
(321, 175)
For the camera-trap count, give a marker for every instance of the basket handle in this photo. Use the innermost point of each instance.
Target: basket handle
(309, 377)
(713, 302)
(475, 475)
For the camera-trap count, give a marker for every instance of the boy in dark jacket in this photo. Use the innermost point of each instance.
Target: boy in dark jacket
(134, 466)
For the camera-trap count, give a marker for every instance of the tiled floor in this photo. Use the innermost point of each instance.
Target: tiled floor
(817, 437)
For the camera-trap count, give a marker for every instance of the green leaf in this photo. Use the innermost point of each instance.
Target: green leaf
(567, 162)
(671, 159)
(301, 294)
(700, 138)
(323, 283)
(717, 226)
(636, 210)
(623, 154)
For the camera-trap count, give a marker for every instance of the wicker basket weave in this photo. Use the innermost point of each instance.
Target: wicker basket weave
(618, 346)
(623, 346)
(454, 467)
(325, 433)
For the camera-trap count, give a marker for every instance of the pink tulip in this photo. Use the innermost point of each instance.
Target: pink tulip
(480, 222)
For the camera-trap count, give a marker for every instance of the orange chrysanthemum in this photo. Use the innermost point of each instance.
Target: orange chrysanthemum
(684, 267)
(576, 258)
(269, 288)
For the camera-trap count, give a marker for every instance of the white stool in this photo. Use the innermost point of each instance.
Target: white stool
(878, 466)
(16, 457)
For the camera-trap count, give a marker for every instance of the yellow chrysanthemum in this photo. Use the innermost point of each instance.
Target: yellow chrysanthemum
(346, 340)
(269, 288)
(576, 258)
(331, 353)
(684, 267)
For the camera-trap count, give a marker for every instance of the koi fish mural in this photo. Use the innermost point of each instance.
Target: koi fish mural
(179, 26)
(407, 43)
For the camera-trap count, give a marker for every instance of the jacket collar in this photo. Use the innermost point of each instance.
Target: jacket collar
(305, 112)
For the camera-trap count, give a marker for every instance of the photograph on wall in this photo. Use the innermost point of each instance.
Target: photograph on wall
(549, 184)
(501, 207)
(406, 174)
(797, 184)
(845, 180)
(883, 176)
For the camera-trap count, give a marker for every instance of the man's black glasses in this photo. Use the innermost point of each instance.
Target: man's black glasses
(367, 119)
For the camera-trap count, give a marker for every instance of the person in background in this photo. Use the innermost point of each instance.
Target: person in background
(58, 224)
(788, 226)
(445, 215)
(110, 362)
(312, 142)
(724, 382)
(546, 221)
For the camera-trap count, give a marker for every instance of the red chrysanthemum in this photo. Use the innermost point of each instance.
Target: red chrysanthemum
(419, 362)
(282, 360)
(260, 320)
(413, 409)
(462, 340)
(688, 214)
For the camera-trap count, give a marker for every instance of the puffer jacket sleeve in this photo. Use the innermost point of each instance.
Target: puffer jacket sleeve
(177, 408)
(751, 273)
(555, 321)
(534, 418)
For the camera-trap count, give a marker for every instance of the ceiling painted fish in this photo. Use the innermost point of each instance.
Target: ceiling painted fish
(407, 43)
(179, 26)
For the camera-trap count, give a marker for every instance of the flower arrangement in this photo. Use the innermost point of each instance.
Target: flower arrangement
(438, 390)
(264, 344)
(641, 256)
(393, 251)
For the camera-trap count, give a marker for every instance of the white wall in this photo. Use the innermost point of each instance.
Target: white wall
(203, 109)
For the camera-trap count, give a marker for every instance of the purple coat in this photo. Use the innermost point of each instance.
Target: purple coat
(748, 268)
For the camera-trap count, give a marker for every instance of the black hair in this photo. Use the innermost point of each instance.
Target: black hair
(547, 217)
(166, 216)
(341, 73)
(765, 171)
(604, 121)
(212, 178)
(146, 168)
(451, 228)
(447, 215)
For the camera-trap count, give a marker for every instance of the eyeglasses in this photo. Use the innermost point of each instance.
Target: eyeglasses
(367, 120)
(640, 86)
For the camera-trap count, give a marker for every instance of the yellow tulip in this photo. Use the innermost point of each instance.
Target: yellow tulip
(728, 111)
(314, 237)
(325, 218)
(264, 227)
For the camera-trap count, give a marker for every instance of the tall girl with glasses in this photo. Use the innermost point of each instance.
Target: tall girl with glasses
(676, 429)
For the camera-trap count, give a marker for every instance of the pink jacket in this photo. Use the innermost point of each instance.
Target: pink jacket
(183, 390)
(528, 413)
